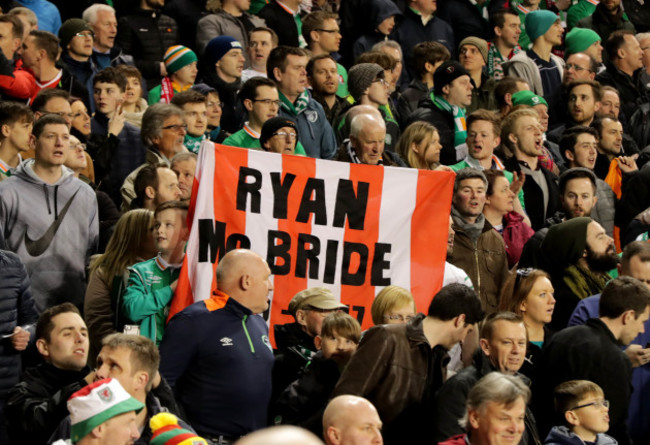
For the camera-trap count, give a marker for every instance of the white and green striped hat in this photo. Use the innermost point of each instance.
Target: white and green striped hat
(95, 404)
(177, 57)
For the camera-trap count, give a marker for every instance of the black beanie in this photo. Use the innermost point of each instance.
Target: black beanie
(565, 242)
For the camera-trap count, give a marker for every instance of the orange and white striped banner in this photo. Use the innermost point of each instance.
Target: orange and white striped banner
(351, 228)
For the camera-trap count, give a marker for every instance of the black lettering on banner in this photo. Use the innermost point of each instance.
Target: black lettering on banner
(330, 261)
(361, 311)
(281, 193)
(213, 244)
(379, 264)
(315, 187)
(350, 204)
(307, 256)
(237, 241)
(354, 278)
(212, 240)
(249, 188)
(280, 251)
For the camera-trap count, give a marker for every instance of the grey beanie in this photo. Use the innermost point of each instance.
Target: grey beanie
(361, 76)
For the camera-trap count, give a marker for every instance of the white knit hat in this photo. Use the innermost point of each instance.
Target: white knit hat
(95, 404)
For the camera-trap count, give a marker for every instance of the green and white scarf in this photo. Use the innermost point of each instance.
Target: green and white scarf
(193, 143)
(460, 127)
(298, 107)
(495, 59)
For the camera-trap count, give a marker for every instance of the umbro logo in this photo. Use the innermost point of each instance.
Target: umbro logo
(226, 341)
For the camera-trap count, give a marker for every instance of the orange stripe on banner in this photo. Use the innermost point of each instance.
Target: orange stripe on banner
(181, 299)
(428, 247)
(358, 298)
(286, 286)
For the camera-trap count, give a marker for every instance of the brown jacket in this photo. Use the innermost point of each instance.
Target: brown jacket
(485, 263)
(398, 371)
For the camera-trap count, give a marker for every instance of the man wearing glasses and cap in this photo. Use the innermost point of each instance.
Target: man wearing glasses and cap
(295, 341)
(280, 135)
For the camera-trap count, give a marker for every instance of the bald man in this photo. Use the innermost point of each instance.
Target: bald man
(216, 353)
(351, 420)
(281, 435)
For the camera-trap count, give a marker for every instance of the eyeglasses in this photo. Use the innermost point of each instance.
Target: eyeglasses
(85, 34)
(406, 318)
(213, 104)
(175, 128)
(380, 80)
(268, 102)
(284, 134)
(82, 146)
(568, 66)
(597, 404)
(330, 31)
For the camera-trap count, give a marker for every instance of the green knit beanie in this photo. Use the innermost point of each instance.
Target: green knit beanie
(538, 22)
(579, 39)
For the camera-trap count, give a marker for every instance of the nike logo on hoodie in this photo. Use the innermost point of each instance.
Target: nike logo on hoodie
(39, 246)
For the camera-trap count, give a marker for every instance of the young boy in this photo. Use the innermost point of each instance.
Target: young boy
(586, 414)
(195, 109)
(16, 122)
(152, 283)
(304, 401)
(180, 62)
(113, 161)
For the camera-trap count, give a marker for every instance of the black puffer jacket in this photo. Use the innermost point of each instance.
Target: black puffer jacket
(37, 404)
(16, 309)
(146, 35)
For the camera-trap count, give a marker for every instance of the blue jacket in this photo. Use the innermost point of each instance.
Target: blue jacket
(314, 130)
(16, 309)
(47, 14)
(639, 410)
(111, 169)
(216, 356)
(411, 31)
(561, 435)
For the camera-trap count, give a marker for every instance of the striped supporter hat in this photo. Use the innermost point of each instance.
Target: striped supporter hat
(167, 431)
(177, 57)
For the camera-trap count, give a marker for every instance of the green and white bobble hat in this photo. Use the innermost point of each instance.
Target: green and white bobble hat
(95, 404)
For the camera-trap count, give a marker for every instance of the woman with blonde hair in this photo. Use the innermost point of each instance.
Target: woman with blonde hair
(131, 242)
(393, 305)
(529, 293)
(420, 146)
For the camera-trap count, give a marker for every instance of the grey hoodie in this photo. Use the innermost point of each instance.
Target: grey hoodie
(53, 228)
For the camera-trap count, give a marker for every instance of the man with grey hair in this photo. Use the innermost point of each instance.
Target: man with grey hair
(366, 143)
(478, 250)
(496, 407)
(184, 165)
(394, 50)
(163, 132)
(644, 42)
(351, 420)
(102, 19)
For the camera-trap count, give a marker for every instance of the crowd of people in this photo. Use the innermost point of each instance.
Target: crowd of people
(541, 108)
